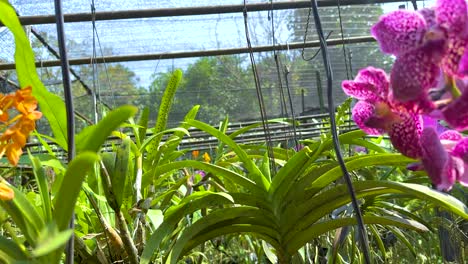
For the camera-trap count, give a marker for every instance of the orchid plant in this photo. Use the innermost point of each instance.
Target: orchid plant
(427, 84)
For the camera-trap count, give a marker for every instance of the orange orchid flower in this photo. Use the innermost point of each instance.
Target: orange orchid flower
(195, 154)
(6, 193)
(15, 136)
(6, 102)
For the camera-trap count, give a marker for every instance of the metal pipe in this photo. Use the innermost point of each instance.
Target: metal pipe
(69, 109)
(189, 11)
(191, 54)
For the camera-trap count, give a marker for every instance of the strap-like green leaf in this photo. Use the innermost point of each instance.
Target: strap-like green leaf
(253, 171)
(172, 217)
(217, 171)
(42, 184)
(320, 228)
(122, 172)
(93, 137)
(71, 186)
(25, 215)
(358, 162)
(143, 126)
(10, 250)
(298, 217)
(50, 240)
(287, 175)
(258, 219)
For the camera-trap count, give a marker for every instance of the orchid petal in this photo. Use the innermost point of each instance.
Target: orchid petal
(452, 135)
(361, 113)
(405, 134)
(463, 177)
(399, 31)
(434, 123)
(453, 60)
(370, 84)
(461, 149)
(456, 170)
(413, 75)
(421, 105)
(449, 139)
(456, 113)
(452, 14)
(436, 160)
(463, 65)
(415, 166)
(429, 16)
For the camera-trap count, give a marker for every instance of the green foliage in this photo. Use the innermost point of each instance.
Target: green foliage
(290, 210)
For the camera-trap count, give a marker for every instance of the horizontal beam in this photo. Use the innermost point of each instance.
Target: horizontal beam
(190, 11)
(193, 54)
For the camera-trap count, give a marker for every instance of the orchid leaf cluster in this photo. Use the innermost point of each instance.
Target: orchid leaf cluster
(426, 88)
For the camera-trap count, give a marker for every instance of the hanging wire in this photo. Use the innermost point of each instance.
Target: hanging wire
(259, 94)
(336, 142)
(343, 40)
(284, 109)
(96, 40)
(305, 39)
(69, 110)
(280, 81)
(288, 89)
(95, 68)
(345, 57)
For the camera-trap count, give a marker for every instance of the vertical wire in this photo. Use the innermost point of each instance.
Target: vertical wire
(343, 39)
(345, 57)
(336, 141)
(280, 81)
(258, 89)
(95, 70)
(288, 89)
(97, 42)
(69, 110)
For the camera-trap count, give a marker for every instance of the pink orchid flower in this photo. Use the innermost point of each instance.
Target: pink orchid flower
(425, 43)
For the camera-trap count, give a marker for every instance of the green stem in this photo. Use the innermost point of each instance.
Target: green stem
(453, 88)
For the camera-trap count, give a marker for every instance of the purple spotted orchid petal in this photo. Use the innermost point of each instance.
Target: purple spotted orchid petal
(361, 113)
(461, 151)
(456, 113)
(463, 65)
(451, 135)
(452, 15)
(405, 134)
(453, 62)
(413, 75)
(429, 16)
(420, 105)
(371, 84)
(449, 139)
(439, 165)
(399, 31)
